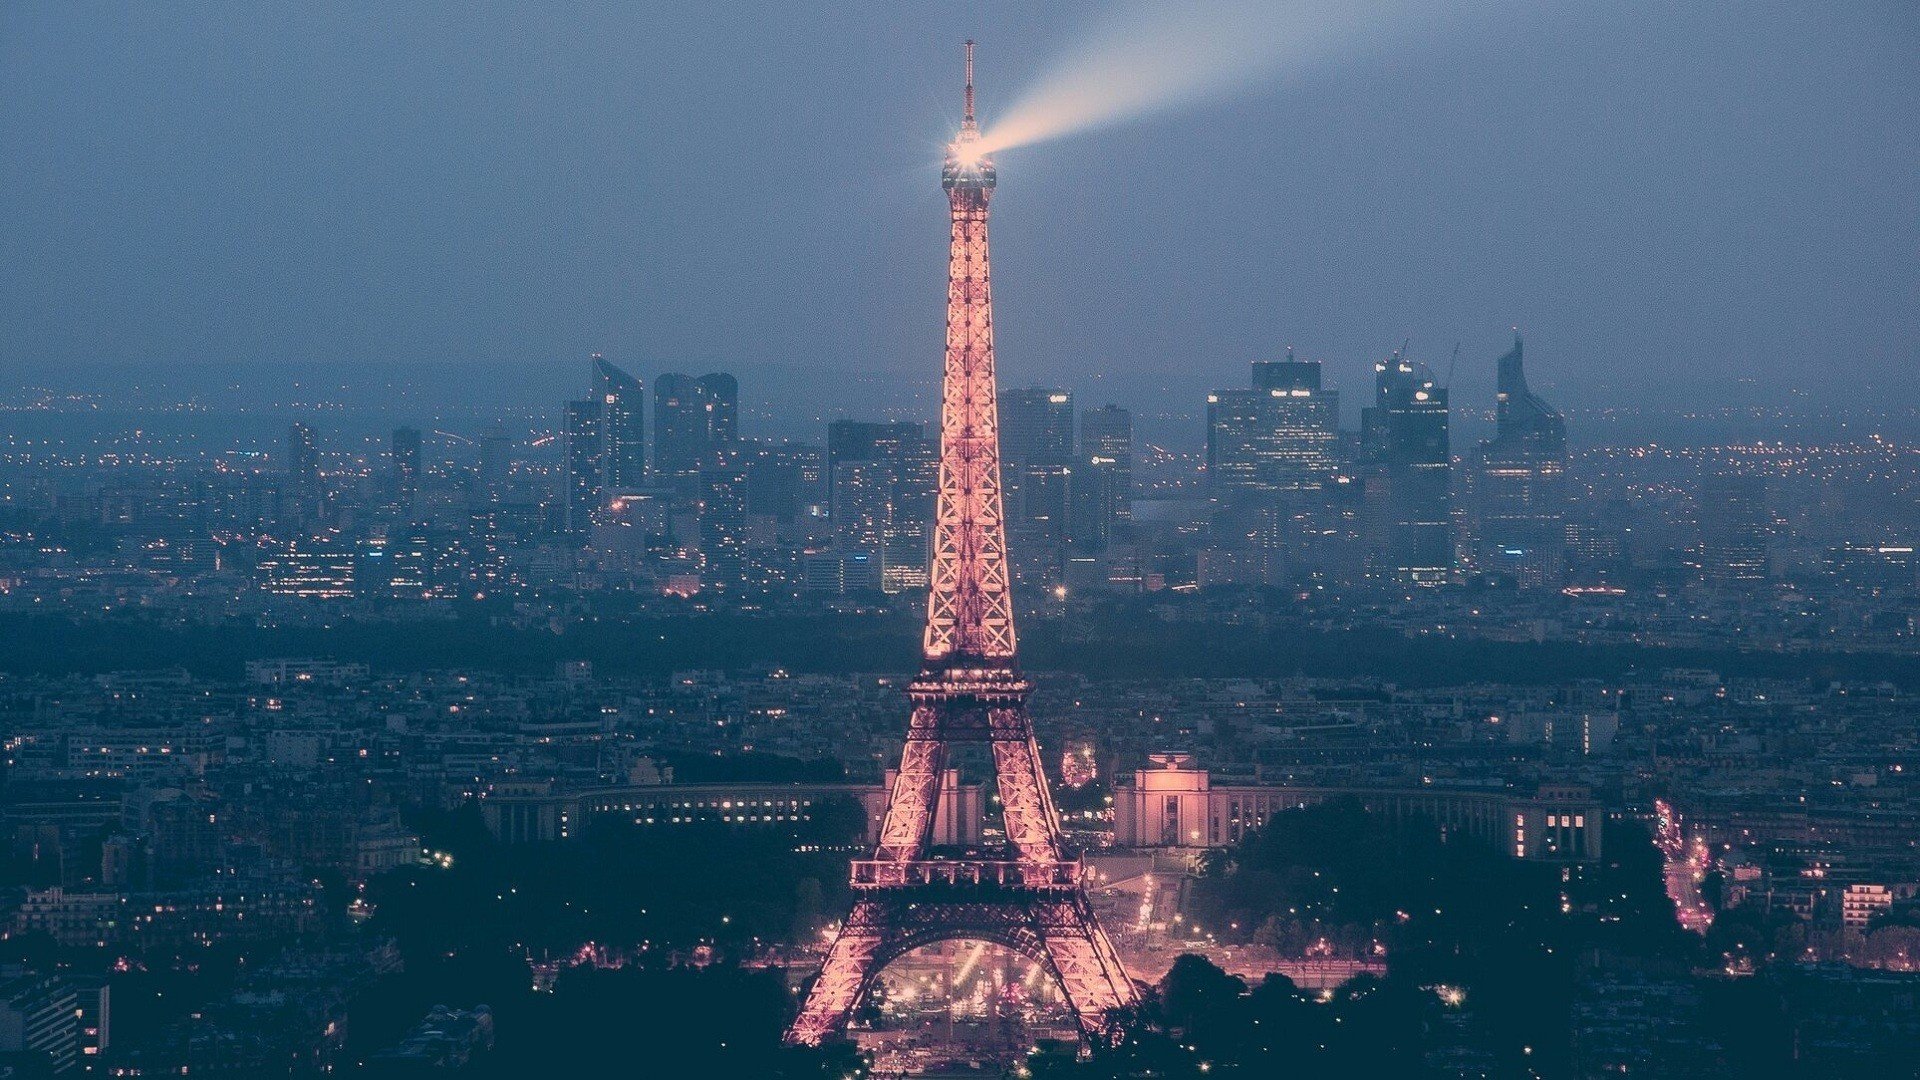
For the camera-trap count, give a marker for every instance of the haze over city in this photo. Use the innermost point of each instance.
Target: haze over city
(1709, 200)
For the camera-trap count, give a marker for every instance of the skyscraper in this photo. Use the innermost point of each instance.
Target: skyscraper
(1039, 501)
(1036, 426)
(693, 420)
(303, 457)
(1280, 435)
(1735, 524)
(302, 498)
(1036, 465)
(786, 481)
(881, 484)
(583, 448)
(867, 440)
(405, 450)
(723, 390)
(1107, 433)
(862, 504)
(623, 428)
(496, 463)
(606, 442)
(1517, 524)
(1102, 486)
(1288, 374)
(723, 527)
(1405, 444)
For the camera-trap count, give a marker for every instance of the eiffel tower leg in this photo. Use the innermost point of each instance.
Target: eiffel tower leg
(843, 978)
(1033, 827)
(1089, 969)
(908, 827)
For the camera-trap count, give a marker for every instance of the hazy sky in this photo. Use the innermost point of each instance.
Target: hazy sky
(1664, 195)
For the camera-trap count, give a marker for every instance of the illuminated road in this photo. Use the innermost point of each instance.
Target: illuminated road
(1686, 867)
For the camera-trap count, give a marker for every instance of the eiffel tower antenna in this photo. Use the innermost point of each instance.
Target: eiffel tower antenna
(968, 124)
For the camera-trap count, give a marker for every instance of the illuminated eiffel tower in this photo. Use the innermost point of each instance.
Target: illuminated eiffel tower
(1029, 897)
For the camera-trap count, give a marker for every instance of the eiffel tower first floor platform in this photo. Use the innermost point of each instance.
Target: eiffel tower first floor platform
(1037, 909)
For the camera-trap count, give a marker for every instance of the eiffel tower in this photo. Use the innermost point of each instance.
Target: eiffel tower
(1029, 897)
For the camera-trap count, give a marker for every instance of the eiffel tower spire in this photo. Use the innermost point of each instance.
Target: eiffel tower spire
(970, 604)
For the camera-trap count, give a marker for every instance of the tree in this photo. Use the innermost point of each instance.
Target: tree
(1194, 988)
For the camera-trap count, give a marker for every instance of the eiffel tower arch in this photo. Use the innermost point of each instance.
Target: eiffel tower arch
(1028, 897)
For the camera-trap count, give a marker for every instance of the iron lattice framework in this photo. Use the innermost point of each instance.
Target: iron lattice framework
(1031, 899)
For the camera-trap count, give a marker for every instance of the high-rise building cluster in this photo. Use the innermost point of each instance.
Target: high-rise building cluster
(712, 511)
(653, 488)
(1287, 494)
(1303, 497)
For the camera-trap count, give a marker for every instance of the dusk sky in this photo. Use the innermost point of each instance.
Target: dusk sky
(1662, 196)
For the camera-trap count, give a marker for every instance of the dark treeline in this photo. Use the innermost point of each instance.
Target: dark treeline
(669, 887)
(1116, 643)
(1486, 958)
(657, 898)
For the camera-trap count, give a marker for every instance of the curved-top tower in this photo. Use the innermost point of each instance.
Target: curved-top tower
(1519, 413)
(1520, 484)
(1027, 896)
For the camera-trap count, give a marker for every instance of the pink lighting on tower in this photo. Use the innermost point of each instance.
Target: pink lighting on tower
(1029, 897)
